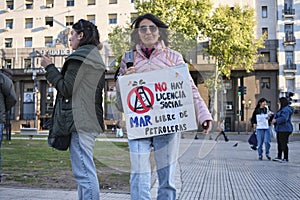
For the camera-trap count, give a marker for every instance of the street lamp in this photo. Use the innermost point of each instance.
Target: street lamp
(247, 106)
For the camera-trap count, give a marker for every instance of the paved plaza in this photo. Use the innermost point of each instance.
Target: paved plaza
(210, 170)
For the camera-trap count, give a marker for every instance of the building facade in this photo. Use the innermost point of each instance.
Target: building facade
(29, 25)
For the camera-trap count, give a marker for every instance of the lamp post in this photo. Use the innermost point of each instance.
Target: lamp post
(247, 106)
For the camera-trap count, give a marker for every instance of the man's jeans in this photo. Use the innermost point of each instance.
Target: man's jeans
(1, 136)
(165, 155)
(83, 166)
(263, 136)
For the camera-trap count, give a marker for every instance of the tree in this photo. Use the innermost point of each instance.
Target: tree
(119, 39)
(232, 38)
(184, 18)
(232, 43)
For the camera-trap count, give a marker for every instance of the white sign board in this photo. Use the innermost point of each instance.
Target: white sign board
(158, 102)
(262, 121)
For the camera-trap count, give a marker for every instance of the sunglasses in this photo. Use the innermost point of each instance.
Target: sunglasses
(143, 29)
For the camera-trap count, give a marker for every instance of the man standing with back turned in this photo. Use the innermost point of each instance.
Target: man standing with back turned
(8, 99)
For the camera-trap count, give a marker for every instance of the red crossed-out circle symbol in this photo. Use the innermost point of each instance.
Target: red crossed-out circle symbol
(145, 99)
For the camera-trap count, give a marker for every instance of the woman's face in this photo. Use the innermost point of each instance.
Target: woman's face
(74, 39)
(148, 33)
(263, 104)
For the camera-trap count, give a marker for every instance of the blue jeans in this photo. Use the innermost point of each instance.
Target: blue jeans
(165, 154)
(263, 136)
(83, 166)
(1, 135)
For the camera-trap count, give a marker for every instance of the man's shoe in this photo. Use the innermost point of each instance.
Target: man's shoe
(260, 158)
(277, 159)
(269, 158)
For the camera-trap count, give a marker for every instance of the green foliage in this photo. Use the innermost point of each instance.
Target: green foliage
(233, 43)
(119, 39)
(232, 38)
(184, 17)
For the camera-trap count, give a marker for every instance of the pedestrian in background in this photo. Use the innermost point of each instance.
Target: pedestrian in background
(150, 39)
(284, 128)
(79, 86)
(221, 128)
(261, 121)
(8, 99)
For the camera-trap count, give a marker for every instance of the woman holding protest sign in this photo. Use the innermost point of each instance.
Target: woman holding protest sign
(261, 121)
(150, 37)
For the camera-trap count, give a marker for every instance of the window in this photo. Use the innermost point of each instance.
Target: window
(290, 84)
(8, 42)
(28, 22)
(265, 32)
(113, 1)
(265, 83)
(48, 41)
(69, 20)
(70, 2)
(265, 57)
(27, 63)
(133, 17)
(8, 63)
(91, 18)
(289, 59)
(9, 23)
(49, 3)
(264, 12)
(49, 21)
(112, 18)
(29, 4)
(28, 42)
(10, 4)
(91, 2)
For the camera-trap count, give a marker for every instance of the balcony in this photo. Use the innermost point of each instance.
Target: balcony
(289, 39)
(288, 13)
(290, 68)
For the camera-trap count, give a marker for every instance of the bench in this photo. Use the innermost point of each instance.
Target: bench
(29, 131)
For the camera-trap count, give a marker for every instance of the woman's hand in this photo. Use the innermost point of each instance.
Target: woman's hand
(207, 125)
(45, 59)
(129, 70)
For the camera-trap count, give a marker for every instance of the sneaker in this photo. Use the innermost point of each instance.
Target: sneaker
(269, 158)
(253, 147)
(260, 158)
(277, 159)
(284, 161)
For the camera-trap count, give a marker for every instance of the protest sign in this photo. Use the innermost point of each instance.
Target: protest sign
(262, 121)
(158, 102)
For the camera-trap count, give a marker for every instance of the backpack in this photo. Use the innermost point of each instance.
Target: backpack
(7, 88)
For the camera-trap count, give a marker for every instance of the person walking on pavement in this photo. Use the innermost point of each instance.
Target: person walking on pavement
(79, 85)
(284, 128)
(8, 99)
(261, 121)
(152, 53)
(221, 128)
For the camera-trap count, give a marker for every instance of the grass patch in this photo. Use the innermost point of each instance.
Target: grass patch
(31, 163)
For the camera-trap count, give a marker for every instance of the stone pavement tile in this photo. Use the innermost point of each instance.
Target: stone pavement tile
(220, 171)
